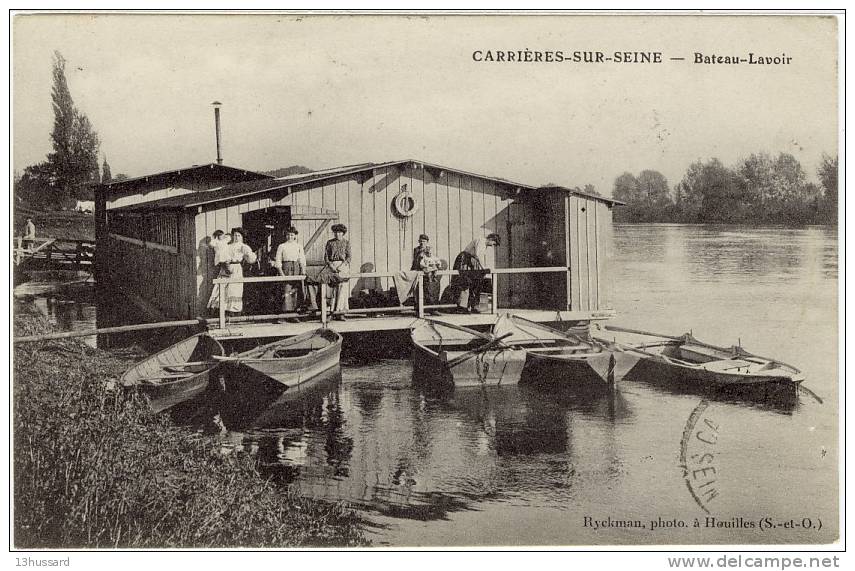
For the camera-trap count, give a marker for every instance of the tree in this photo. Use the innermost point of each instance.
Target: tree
(120, 177)
(757, 180)
(710, 192)
(647, 197)
(827, 173)
(688, 195)
(625, 188)
(591, 189)
(73, 163)
(106, 175)
(653, 189)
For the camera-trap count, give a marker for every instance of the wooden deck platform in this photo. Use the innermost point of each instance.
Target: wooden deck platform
(356, 324)
(55, 254)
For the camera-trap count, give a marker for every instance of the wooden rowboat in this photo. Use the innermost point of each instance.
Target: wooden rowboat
(687, 360)
(451, 354)
(446, 355)
(176, 374)
(564, 360)
(290, 361)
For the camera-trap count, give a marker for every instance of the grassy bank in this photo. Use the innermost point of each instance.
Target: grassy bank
(94, 467)
(60, 224)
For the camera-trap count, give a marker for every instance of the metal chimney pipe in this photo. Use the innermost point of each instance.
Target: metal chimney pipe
(217, 105)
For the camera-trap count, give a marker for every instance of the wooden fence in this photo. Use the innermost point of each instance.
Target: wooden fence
(55, 254)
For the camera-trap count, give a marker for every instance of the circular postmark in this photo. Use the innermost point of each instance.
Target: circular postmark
(698, 455)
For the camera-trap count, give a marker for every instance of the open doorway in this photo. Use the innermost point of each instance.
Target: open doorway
(265, 230)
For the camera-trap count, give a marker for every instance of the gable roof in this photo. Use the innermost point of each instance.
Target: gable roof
(286, 183)
(195, 171)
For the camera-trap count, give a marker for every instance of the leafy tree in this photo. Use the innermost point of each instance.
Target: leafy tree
(757, 179)
(120, 177)
(591, 189)
(73, 163)
(625, 188)
(106, 175)
(710, 193)
(827, 173)
(647, 197)
(653, 190)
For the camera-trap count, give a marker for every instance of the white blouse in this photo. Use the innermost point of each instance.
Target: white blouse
(289, 252)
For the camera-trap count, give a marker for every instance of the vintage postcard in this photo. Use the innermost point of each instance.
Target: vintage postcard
(426, 280)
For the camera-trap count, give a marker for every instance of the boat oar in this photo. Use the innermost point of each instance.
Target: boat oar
(460, 328)
(636, 349)
(640, 332)
(485, 347)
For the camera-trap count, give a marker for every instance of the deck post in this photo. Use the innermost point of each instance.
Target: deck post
(222, 287)
(322, 302)
(494, 296)
(420, 295)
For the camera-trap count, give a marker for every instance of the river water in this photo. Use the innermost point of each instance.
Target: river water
(515, 466)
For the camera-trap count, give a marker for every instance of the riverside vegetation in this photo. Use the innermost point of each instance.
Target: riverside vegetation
(96, 468)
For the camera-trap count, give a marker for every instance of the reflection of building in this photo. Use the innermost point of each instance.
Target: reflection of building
(152, 231)
(403, 454)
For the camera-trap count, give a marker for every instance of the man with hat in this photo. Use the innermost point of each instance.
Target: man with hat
(472, 262)
(423, 261)
(422, 250)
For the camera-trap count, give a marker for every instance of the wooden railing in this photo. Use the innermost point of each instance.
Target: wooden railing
(58, 251)
(222, 283)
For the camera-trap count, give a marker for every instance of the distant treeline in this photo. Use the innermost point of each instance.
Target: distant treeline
(760, 189)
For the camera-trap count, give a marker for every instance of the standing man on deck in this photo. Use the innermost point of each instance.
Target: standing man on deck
(29, 237)
(471, 263)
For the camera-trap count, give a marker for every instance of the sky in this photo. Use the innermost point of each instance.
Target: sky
(330, 90)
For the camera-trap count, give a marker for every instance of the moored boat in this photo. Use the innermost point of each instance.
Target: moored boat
(445, 354)
(564, 360)
(176, 374)
(686, 360)
(291, 361)
(516, 349)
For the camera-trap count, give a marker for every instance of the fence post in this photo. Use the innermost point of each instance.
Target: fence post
(222, 306)
(323, 303)
(494, 295)
(420, 295)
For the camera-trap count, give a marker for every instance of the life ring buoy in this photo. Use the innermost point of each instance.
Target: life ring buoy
(405, 203)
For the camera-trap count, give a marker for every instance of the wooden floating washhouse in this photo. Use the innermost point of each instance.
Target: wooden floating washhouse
(552, 266)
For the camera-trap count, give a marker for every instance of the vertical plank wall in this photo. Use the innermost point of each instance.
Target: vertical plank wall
(590, 238)
(453, 209)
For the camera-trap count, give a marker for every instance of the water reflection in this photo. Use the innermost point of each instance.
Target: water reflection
(410, 454)
(368, 436)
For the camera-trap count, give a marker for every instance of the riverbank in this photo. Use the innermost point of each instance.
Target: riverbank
(95, 468)
(68, 225)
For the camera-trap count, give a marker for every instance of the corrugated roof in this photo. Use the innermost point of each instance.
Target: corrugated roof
(252, 188)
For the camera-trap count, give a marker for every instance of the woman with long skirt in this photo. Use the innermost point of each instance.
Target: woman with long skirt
(235, 254)
(336, 272)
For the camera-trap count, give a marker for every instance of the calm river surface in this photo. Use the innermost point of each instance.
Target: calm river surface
(514, 466)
